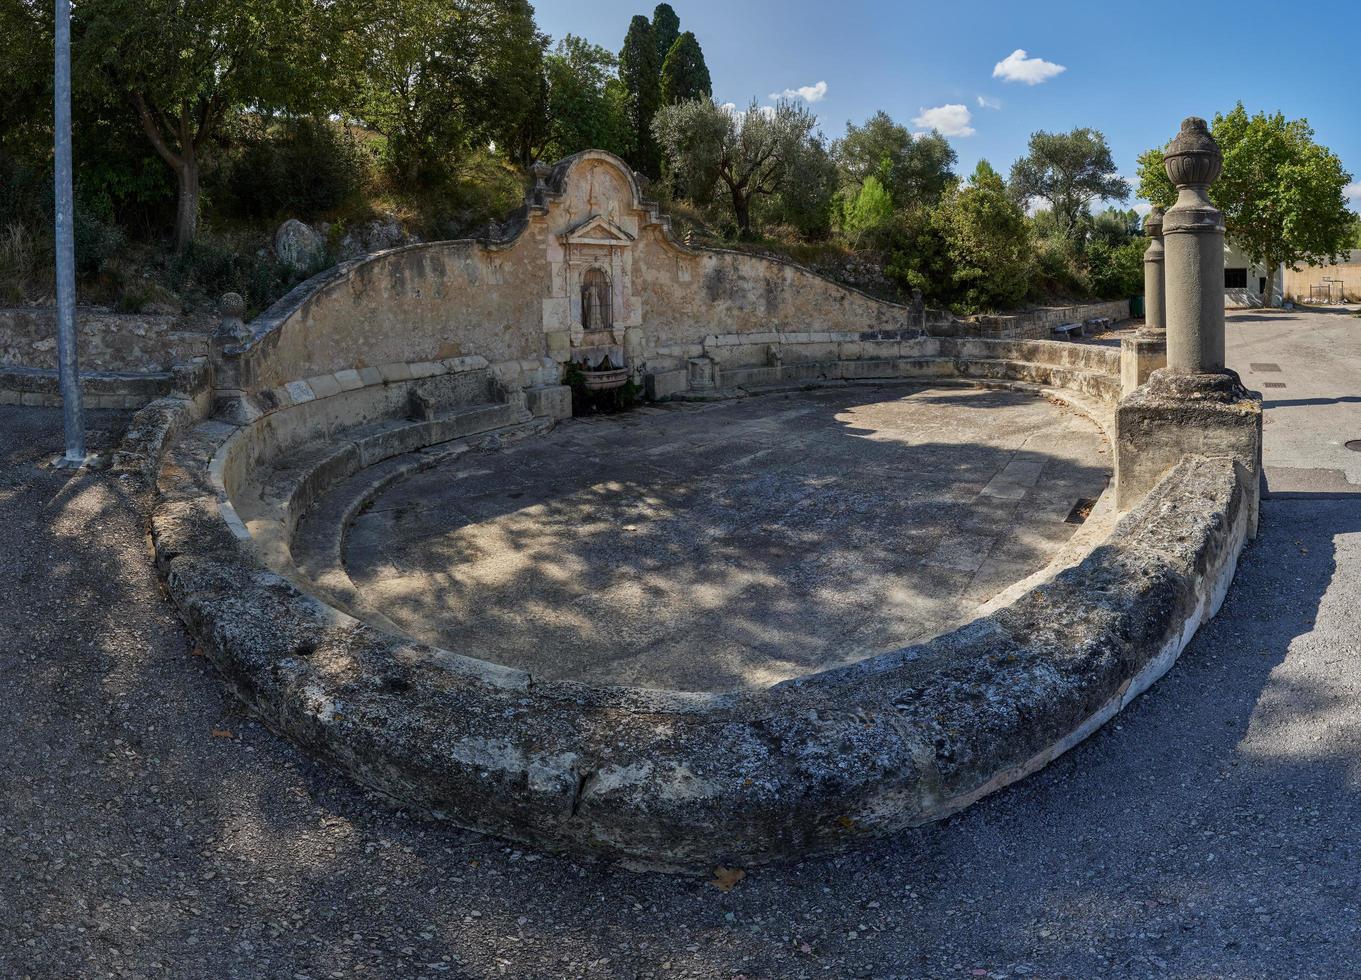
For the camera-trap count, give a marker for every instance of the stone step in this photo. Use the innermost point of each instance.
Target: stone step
(275, 498)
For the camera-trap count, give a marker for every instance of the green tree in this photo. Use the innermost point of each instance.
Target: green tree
(1113, 226)
(805, 204)
(914, 169)
(184, 67)
(988, 240)
(440, 76)
(867, 210)
(1115, 270)
(640, 72)
(1283, 195)
(1068, 171)
(25, 78)
(665, 30)
(917, 253)
(685, 76)
(751, 154)
(587, 107)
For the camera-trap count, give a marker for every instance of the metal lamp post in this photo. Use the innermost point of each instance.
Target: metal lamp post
(68, 358)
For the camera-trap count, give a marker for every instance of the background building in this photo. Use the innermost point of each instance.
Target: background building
(1340, 283)
(1245, 281)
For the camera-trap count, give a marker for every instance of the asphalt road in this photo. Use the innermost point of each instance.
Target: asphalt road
(149, 829)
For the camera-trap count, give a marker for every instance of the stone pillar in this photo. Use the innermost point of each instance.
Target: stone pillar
(233, 362)
(1193, 232)
(1145, 352)
(1194, 406)
(1155, 289)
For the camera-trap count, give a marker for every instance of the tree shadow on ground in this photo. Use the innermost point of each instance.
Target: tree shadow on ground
(183, 852)
(735, 546)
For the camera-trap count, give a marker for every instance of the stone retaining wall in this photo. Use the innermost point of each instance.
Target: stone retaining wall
(109, 342)
(516, 299)
(687, 781)
(1035, 324)
(743, 363)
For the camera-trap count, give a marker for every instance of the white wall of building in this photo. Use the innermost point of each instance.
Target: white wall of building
(1243, 280)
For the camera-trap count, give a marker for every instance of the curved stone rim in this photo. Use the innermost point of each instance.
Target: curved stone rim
(683, 781)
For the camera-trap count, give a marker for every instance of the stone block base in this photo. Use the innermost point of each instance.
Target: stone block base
(666, 384)
(550, 401)
(1139, 358)
(1172, 416)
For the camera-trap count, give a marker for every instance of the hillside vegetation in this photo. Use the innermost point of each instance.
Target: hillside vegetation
(201, 128)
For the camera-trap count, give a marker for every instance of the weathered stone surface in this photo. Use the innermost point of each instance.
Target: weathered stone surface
(1173, 415)
(297, 245)
(687, 780)
(1140, 356)
(109, 342)
(549, 401)
(511, 299)
(612, 552)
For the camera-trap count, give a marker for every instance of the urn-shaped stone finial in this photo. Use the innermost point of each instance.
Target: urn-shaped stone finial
(1193, 158)
(231, 329)
(540, 170)
(232, 306)
(1153, 224)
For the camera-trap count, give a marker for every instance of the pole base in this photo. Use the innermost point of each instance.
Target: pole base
(70, 463)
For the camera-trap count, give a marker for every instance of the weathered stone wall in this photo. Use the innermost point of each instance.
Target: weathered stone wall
(691, 780)
(421, 303)
(516, 301)
(107, 341)
(1037, 324)
(1342, 280)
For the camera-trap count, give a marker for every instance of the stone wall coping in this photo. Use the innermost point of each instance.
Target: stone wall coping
(322, 386)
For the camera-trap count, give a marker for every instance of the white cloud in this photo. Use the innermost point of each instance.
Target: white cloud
(809, 93)
(1142, 208)
(1353, 191)
(741, 114)
(951, 120)
(1016, 67)
(987, 103)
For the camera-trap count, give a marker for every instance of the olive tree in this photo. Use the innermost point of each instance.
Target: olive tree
(750, 154)
(913, 169)
(1068, 171)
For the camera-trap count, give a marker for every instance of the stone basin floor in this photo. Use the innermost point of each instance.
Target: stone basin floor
(730, 545)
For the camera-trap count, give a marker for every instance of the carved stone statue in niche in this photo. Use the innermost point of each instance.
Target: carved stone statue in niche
(596, 309)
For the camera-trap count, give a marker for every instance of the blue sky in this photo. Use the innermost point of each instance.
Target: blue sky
(1131, 70)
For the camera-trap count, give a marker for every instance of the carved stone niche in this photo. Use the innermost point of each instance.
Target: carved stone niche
(595, 255)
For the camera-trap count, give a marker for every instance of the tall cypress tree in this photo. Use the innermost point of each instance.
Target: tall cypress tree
(685, 76)
(665, 28)
(640, 71)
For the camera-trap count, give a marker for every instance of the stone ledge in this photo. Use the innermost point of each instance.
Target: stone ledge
(684, 781)
(102, 389)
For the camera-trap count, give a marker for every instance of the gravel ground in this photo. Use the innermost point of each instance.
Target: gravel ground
(148, 828)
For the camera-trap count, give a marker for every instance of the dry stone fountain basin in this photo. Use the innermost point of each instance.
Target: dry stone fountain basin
(725, 546)
(845, 573)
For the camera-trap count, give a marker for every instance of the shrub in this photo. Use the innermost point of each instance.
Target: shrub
(213, 266)
(1056, 273)
(301, 168)
(917, 254)
(1114, 272)
(866, 210)
(97, 238)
